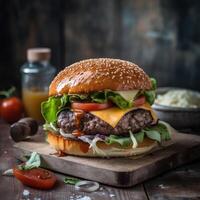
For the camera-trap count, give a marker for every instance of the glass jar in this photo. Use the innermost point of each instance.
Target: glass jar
(37, 75)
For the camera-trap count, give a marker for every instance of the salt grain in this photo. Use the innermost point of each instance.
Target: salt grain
(163, 186)
(26, 193)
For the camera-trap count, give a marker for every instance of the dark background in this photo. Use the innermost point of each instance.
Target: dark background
(162, 36)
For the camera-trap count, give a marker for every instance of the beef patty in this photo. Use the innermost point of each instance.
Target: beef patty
(92, 125)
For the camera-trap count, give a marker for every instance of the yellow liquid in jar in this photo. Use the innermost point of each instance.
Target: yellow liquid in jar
(32, 100)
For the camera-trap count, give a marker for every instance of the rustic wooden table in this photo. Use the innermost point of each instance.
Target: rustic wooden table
(182, 183)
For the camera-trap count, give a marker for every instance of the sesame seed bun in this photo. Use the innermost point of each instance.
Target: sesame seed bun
(79, 148)
(99, 74)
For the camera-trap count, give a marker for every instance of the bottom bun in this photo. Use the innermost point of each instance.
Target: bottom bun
(79, 148)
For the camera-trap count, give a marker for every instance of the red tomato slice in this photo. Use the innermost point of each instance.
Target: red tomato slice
(36, 178)
(140, 101)
(90, 106)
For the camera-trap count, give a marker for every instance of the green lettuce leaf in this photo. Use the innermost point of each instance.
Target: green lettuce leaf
(63, 101)
(150, 95)
(158, 132)
(162, 129)
(52, 106)
(33, 162)
(153, 83)
(99, 97)
(78, 97)
(123, 141)
(154, 135)
(117, 99)
(139, 136)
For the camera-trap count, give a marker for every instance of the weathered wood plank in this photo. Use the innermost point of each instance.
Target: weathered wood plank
(183, 183)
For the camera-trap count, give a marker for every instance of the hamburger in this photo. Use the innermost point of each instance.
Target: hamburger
(102, 108)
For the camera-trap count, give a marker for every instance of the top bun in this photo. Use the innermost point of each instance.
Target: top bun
(99, 74)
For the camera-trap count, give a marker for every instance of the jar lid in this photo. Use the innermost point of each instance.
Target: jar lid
(38, 54)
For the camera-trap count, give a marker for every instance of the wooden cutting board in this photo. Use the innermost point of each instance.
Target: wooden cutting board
(120, 172)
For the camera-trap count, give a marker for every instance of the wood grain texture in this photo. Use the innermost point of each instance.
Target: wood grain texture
(183, 183)
(120, 172)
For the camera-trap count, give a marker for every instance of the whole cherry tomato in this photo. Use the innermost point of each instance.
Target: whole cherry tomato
(11, 109)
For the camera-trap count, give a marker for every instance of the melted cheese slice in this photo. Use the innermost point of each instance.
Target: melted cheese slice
(113, 115)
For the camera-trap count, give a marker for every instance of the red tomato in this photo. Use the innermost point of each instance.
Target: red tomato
(140, 101)
(11, 109)
(36, 178)
(90, 106)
